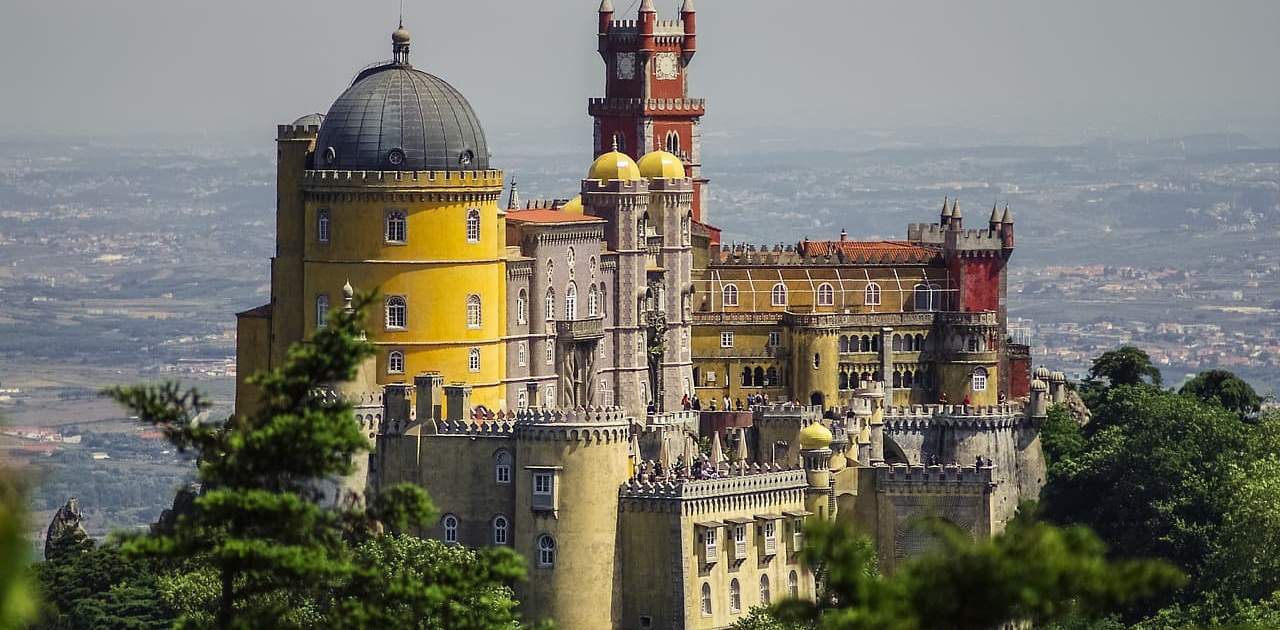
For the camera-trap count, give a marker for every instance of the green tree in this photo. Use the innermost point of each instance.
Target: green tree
(1224, 388)
(1126, 365)
(1061, 437)
(262, 523)
(760, 618)
(98, 586)
(1032, 572)
(17, 601)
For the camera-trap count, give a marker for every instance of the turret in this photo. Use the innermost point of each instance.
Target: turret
(513, 202)
(648, 23)
(945, 216)
(994, 223)
(690, 19)
(606, 22)
(1039, 407)
(1006, 230)
(815, 452)
(957, 219)
(1057, 388)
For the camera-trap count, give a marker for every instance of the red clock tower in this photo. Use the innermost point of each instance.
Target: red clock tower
(646, 104)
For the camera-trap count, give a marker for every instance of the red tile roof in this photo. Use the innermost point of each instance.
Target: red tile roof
(870, 251)
(543, 215)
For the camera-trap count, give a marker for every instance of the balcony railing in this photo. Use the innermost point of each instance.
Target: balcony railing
(580, 329)
(771, 352)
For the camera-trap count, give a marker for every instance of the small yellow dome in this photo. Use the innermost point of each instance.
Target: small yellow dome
(661, 164)
(573, 206)
(815, 436)
(614, 165)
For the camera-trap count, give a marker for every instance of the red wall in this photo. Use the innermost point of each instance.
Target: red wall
(979, 283)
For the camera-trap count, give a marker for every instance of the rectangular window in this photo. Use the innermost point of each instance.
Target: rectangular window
(521, 352)
(726, 339)
(775, 338)
(396, 228)
(542, 483)
(544, 489)
(710, 547)
(322, 226)
(551, 352)
(770, 537)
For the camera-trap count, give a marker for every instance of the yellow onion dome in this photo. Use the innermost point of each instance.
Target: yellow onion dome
(573, 206)
(815, 436)
(660, 164)
(614, 165)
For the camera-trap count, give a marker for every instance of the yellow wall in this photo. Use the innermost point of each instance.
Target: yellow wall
(253, 342)
(435, 269)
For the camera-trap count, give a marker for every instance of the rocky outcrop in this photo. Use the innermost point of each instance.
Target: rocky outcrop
(1076, 407)
(183, 502)
(66, 531)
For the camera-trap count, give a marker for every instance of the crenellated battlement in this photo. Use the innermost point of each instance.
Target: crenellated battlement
(492, 429)
(297, 132)
(756, 479)
(615, 106)
(967, 240)
(637, 186)
(904, 475)
(919, 417)
(321, 180)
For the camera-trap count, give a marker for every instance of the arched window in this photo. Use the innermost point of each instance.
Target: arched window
(793, 585)
(897, 379)
(864, 344)
(686, 229)
(673, 142)
(758, 377)
(502, 466)
(778, 295)
(570, 261)
(604, 301)
(980, 380)
(826, 295)
(706, 599)
(473, 226)
(927, 297)
(522, 307)
(771, 377)
(322, 310)
(817, 360)
(450, 523)
(397, 312)
(473, 360)
(395, 362)
(500, 530)
(735, 596)
(875, 343)
(972, 343)
(844, 381)
(765, 597)
(546, 551)
(550, 305)
(473, 311)
(322, 226)
(871, 295)
(729, 295)
(844, 343)
(593, 302)
(746, 377)
(522, 353)
(551, 351)
(897, 343)
(908, 379)
(918, 346)
(571, 302)
(396, 232)
(551, 272)
(522, 400)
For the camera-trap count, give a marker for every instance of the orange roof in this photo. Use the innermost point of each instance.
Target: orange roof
(860, 251)
(544, 215)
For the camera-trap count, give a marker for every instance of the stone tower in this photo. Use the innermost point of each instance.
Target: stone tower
(646, 105)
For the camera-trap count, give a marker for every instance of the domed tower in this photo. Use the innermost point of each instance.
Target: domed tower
(670, 220)
(815, 452)
(394, 190)
(615, 191)
(566, 515)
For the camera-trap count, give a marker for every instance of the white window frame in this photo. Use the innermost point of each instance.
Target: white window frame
(501, 530)
(502, 467)
(546, 547)
(322, 310)
(473, 225)
(475, 312)
(393, 304)
(551, 352)
(473, 360)
(766, 593)
(522, 307)
(522, 353)
(735, 596)
(593, 302)
(571, 302)
(706, 600)
(980, 379)
(322, 225)
(775, 338)
(544, 483)
(395, 362)
(729, 295)
(396, 227)
(778, 294)
(522, 399)
(726, 339)
(549, 304)
(793, 584)
(871, 294)
(826, 294)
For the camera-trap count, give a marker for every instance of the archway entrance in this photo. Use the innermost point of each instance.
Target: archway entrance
(817, 398)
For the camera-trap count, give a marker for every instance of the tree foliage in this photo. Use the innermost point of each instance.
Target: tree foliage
(1126, 365)
(1032, 572)
(1224, 388)
(17, 601)
(1188, 478)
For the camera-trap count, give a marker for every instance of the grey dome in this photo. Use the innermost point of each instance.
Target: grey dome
(396, 118)
(309, 120)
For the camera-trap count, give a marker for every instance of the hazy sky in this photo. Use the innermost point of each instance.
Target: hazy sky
(232, 67)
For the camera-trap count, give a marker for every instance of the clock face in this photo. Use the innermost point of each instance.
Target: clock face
(626, 65)
(666, 66)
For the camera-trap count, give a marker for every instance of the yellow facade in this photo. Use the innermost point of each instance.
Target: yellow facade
(436, 268)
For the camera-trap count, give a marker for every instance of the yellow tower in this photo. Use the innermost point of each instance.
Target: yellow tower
(392, 192)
